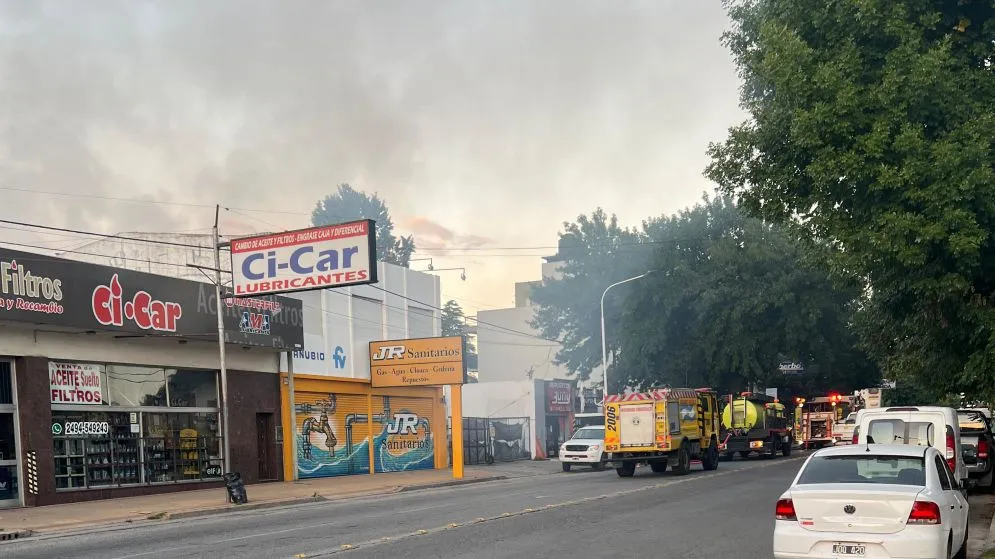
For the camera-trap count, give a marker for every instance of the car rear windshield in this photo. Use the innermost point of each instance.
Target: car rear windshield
(972, 420)
(896, 431)
(581, 434)
(865, 468)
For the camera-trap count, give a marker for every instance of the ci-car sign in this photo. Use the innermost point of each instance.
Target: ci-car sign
(417, 362)
(306, 259)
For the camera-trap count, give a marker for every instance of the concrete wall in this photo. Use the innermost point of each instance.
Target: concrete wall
(507, 347)
(103, 347)
(344, 321)
(503, 399)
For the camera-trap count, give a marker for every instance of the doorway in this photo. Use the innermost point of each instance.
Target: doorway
(266, 445)
(10, 487)
(553, 436)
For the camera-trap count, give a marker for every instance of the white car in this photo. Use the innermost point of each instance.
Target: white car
(586, 448)
(877, 501)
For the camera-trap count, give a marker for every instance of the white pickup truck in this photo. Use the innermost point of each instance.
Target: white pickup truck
(843, 430)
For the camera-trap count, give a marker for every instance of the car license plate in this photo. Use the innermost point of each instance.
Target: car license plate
(756, 444)
(849, 549)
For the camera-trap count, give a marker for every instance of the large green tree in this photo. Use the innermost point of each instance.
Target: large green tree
(871, 131)
(730, 298)
(594, 252)
(454, 324)
(348, 204)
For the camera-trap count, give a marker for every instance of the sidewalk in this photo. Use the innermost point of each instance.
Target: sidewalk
(980, 526)
(184, 504)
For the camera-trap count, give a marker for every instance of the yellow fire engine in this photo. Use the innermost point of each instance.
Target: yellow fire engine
(661, 427)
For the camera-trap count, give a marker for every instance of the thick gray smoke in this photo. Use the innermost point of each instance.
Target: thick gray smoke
(509, 106)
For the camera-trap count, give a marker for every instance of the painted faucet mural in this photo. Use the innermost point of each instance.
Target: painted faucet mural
(401, 429)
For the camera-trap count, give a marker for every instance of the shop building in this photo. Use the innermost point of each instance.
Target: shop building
(333, 398)
(109, 383)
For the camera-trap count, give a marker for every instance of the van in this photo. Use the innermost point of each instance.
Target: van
(933, 426)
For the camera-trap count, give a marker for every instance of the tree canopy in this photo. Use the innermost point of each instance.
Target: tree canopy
(348, 204)
(870, 131)
(594, 252)
(728, 298)
(454, 324)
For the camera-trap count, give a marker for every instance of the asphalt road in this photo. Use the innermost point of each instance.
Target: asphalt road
(582, 514)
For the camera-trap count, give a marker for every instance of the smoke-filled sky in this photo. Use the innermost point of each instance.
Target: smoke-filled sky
(484, 125)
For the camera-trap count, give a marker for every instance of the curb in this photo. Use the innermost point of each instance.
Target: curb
(450, 483)
(9, 536)
(239, 508)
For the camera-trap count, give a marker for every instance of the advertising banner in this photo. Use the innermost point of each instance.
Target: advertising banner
(39, 289)
(306, 259)
(559, 396)
(75, 383)
(418, 362)
(334, 433)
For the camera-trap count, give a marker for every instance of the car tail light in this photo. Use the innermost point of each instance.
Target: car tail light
(983, 448)
(924, 512)
(785, 510)
(856, 434)
(951, 455)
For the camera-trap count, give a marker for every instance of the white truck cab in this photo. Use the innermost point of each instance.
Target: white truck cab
(933, 426)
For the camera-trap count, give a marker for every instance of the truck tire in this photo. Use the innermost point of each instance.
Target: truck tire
(683, 465)
(627, 469)
(710, 458)
(566, 467)
(658, 466)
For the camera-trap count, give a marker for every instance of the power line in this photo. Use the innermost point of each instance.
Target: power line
(142, 260)
(499, 327)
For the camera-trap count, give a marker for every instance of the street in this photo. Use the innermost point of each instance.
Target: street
(583, 513)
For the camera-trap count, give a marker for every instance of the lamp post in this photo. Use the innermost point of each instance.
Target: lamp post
(604, 345)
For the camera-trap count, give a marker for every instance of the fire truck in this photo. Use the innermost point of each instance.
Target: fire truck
(753, 422)
(666, 427)
(819, 417)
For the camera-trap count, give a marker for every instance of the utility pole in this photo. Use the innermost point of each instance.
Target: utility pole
(225, 432)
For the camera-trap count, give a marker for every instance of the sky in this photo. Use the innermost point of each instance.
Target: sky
(483, 125)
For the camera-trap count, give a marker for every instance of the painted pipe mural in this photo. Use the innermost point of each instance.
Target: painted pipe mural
(401, 429)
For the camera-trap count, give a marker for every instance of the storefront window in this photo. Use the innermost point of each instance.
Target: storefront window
(136, 386)
(94, 449)
(182, 446)
(193, 389)
(140, 437)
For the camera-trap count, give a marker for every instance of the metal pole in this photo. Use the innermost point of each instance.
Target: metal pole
(221, 345)
(293, 413)
(604, 345)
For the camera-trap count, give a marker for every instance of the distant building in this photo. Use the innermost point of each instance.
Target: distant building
(508, 348)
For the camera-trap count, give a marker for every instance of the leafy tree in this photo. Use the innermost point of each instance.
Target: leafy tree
(454, 324)
(730, 298)
(870, 130)
(348, 204)
(595, 252)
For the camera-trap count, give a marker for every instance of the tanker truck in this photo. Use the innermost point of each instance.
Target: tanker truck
(754, 422)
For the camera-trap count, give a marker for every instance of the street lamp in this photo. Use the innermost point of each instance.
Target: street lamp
(604, 345)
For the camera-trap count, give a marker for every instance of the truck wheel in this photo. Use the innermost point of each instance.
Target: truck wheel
(683, 466)
(658, 466)
(627, 469)
(566, 467)
(710, 460)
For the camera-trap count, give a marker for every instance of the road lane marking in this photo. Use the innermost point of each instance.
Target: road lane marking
(583, 500)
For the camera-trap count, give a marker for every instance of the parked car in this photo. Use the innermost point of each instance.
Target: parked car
(885, 501)
(977, 443)
(934, 426)
(586, 447)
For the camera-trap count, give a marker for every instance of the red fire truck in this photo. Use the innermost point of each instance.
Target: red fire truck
(819, 415)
